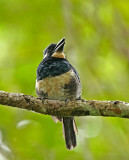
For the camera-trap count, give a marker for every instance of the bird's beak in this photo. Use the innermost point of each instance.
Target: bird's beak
(60, 46)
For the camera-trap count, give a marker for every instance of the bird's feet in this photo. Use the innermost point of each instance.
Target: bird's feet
(67, 101)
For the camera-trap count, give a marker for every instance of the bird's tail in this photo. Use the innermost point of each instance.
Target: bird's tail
(70, 130)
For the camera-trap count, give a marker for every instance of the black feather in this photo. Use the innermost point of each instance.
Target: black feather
(52, 67)
(69, 133)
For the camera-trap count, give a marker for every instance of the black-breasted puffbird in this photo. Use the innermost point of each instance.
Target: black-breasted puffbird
(57, 79)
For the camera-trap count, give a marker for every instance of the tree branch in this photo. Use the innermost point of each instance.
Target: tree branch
(60, 108)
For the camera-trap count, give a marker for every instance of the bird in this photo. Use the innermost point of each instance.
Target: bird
(57, 79)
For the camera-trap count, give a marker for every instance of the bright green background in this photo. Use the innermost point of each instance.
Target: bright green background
(97, 44)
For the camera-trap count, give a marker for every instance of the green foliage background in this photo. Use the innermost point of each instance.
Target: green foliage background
(97, 44)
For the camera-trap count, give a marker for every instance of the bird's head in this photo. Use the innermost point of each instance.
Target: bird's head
(55, 50)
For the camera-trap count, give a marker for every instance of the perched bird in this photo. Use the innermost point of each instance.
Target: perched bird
(57, 79)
